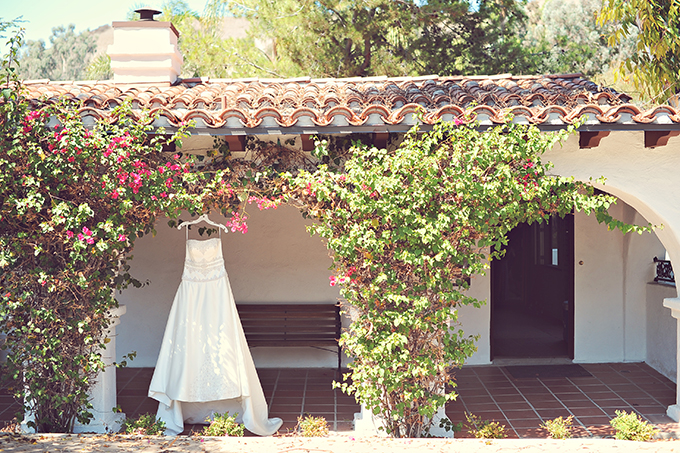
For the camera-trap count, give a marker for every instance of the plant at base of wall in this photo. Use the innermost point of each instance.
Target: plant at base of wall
(145, 425)
(309, 426)
(484, 429)
(223, 425)
(559, 428)
(632, 427)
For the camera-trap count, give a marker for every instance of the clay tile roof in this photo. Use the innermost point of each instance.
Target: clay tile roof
(303, 105)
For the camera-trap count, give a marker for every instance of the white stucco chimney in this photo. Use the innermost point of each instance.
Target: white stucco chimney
(145, 51)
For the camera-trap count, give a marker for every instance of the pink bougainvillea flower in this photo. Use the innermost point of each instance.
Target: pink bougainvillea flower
(69, 234)
(457, 121)
(71, 159)
(122, 238)
(87, 231)
(80, 237)
(89, 240)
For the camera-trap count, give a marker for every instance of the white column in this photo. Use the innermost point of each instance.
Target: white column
(674, 304)
(367, 424)
(103, 392)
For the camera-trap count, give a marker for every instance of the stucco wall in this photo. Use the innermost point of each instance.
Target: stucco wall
(477, 321)
(610, 289)
(276, 261)
(661, 331)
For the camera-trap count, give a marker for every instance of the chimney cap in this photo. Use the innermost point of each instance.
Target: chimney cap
(146, 13)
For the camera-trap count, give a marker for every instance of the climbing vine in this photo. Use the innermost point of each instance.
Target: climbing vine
(408, 228)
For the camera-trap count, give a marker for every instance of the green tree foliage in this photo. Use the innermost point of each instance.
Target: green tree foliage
(99, 68)
(566, 38)
(66, 58)
(333, 38)
(655, 26)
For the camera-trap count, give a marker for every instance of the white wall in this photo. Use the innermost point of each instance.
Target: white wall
(661, 331)
(276, 261)
(477, 321)
(613, 310)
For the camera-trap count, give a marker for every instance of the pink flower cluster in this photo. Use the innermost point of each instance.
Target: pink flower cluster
(343, 279)
(85, 236)
(29, 118)
(264, 202)
(118, 142)
(237, 222)
(373, 194)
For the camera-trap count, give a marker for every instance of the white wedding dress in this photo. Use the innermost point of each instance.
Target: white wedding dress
(205, 366)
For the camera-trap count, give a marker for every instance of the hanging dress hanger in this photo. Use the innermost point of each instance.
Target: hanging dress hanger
(202, 218)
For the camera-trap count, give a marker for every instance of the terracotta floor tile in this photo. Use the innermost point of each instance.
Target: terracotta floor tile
(587, 412)
(483, 407)
(539, 397)
(576, 400)
(531, 433)
(521, 414)
(549, 414)
(534, 423)
(547, 404)
(491, 416)
(477, 400)
(516, 406)
(594, 421)
(516, 398)
(640, 401)
(651, 410)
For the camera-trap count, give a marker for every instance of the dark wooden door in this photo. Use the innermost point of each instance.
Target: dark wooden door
(532, 292)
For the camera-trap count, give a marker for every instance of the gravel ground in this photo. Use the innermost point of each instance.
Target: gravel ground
(333, 444)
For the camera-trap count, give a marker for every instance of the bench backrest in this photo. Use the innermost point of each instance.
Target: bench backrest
(290, 324)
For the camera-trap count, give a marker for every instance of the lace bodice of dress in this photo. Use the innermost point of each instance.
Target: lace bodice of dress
(203, 261)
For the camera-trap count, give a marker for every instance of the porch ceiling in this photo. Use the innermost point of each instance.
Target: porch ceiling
(374, 104)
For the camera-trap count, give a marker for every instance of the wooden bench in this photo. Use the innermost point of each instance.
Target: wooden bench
(290, 325)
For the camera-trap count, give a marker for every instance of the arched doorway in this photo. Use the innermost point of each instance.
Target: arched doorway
(532, 288)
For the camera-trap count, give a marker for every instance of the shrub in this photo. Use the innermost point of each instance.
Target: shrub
(559, 428)
(309, 426)
(146, 425)
(631, 427)
(223, 425)
(484, 429)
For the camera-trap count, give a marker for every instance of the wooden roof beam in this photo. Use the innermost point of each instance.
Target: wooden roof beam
(591, 139)
(658, 138)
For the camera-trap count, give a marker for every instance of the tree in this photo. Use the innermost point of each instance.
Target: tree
(655, 28)
(333, 38)
(66, 58)
(567, 38)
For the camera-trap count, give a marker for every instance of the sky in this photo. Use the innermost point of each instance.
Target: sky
(42, 15)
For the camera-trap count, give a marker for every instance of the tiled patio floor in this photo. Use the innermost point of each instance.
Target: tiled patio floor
(489, 392)
(522, 405)
(289, 392)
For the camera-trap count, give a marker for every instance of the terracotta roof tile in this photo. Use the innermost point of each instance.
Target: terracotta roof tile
(375, 102)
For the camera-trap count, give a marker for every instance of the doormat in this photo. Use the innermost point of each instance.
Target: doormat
(547, 371)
